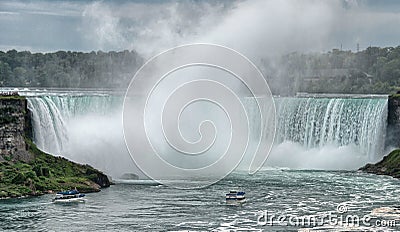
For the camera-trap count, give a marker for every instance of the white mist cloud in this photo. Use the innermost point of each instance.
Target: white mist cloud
(148, 27)
(295, 156)
(256, 28)
(252, 26)
(101, 26)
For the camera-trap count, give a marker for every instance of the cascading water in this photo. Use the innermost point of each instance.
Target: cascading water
(83, 128)
(52, 113)
(317, 122)
(49, 127)
(327, 133)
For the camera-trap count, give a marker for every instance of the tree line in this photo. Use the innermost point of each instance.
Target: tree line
(65, 69)
(373, 70)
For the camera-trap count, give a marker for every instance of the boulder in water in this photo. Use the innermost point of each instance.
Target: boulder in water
(129, 176)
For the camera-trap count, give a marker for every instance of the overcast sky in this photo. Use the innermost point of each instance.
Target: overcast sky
(252, 27)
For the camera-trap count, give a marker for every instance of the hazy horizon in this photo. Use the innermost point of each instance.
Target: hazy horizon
(254, 28)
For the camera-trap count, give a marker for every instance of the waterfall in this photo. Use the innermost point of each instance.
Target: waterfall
(49, 129)
(88, 129)
(51, 115)
(82, 128)
(318, 122)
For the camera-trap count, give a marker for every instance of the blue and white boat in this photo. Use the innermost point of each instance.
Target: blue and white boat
(69, 196)
(235, 197)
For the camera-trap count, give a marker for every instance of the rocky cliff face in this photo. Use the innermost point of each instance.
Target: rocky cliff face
(14, 126)
(26, 170)
(393, 127)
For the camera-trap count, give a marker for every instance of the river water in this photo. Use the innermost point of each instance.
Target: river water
(274, 196)
(313, 133)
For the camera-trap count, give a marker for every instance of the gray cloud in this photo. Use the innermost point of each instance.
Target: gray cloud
(253, 27)
(149, 28)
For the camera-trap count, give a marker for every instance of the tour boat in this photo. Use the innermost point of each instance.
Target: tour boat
(235, 197)
(69, 196)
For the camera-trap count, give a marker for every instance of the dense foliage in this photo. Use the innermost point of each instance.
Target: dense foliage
(67, 69)
(46, 173)
(389, 165)
(374, 70)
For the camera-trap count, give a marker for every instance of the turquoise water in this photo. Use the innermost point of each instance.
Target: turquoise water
(329, 133)
(313, 127)
(128, 207)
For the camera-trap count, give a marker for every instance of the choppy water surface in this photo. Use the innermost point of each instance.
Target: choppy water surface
(128, 207)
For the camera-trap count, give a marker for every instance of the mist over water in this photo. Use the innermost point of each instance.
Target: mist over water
(335, 133)
(312, 133)
(322, 134)
(329, 133)
(83, 128)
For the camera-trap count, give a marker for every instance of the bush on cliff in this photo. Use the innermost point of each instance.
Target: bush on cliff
(47, 173)
(389, 165)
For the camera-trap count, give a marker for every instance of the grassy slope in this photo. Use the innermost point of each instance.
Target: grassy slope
(15, 97)
(389, 165)
(47, 173)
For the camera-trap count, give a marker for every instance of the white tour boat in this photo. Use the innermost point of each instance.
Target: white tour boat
(69, 196)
